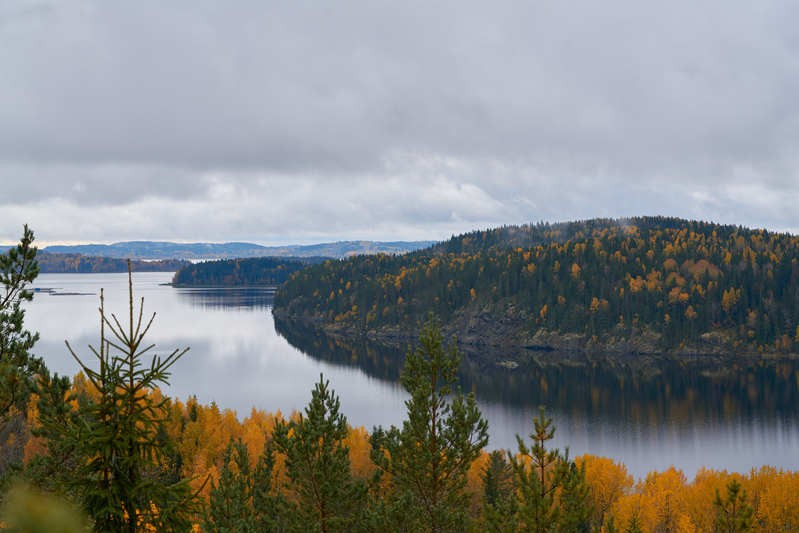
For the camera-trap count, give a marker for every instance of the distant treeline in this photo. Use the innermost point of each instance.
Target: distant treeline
(55, 263)
(242, 272)
(230, 250)
(664, 283)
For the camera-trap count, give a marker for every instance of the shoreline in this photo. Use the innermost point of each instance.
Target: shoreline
(542, 342)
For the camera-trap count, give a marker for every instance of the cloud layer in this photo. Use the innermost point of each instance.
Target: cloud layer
(293, 121)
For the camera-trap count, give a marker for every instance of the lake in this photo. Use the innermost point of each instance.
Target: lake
(647, 412)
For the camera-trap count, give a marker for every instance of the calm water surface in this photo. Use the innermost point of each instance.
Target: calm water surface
(646, 412)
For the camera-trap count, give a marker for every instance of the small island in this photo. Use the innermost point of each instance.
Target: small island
(248, 272)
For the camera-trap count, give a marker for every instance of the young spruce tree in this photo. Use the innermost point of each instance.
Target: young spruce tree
(230, 507)
(111, 440)
(318, 466)
(268, 503)
(499, 495)
(244, 499)
(428, 458)
(552, 491)
(733, 513)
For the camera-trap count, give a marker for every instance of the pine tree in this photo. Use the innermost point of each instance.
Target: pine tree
(18, 268)
(537, 473)
(230, 508)
(112, 441)
(733, 514)
(427, 460)
(575, 507)
(268, 503)
(57, 418)
(499, 495)
(318, 466)
(244, 500)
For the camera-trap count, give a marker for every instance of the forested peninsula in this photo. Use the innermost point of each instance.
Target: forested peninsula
(249, 272)
(640, 285)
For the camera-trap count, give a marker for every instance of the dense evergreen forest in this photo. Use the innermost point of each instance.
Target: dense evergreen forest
(242, 272)
(641, 284)
(107, 451)
(57, 263)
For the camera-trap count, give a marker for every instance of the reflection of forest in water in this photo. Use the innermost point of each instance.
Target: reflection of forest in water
(635, 389)
(228, 297)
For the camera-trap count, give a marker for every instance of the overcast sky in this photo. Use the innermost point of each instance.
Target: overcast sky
(300, 121)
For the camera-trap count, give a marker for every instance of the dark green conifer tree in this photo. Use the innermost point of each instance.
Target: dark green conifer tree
(318, 466)
(112, 439)
(553, 493)
(574, 498)
(427, 460)
(245, 499)
(733, 513)
(499, 495)
(269, 505)
(56, 416)
(230, 509)
(18, 268)
(538, 477)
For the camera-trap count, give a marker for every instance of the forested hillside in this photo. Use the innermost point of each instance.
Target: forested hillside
(642, 284)
(241, 272)
(56, 263)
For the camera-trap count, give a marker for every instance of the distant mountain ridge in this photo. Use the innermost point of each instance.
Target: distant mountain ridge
(154, 250)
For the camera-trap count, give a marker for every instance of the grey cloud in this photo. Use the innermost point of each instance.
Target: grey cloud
(427, 204)
(291, 86)
(92, 185)
(376, 117)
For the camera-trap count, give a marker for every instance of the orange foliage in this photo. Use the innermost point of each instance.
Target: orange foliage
(358, 442)
(608, 482)
(778, 500)
(663, 501)
(660, 503)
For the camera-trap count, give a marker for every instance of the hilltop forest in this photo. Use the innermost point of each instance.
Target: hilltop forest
(637, 285)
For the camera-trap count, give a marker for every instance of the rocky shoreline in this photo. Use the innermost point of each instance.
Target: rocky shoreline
(486, 330)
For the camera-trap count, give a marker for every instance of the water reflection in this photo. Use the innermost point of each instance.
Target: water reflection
(227, 297)
(236, 358)
(642, 390)
(650, 413)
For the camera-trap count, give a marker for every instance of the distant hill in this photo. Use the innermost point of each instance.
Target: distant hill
(151, 250)
(244, 272)
(647, 284)
(50, 263)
